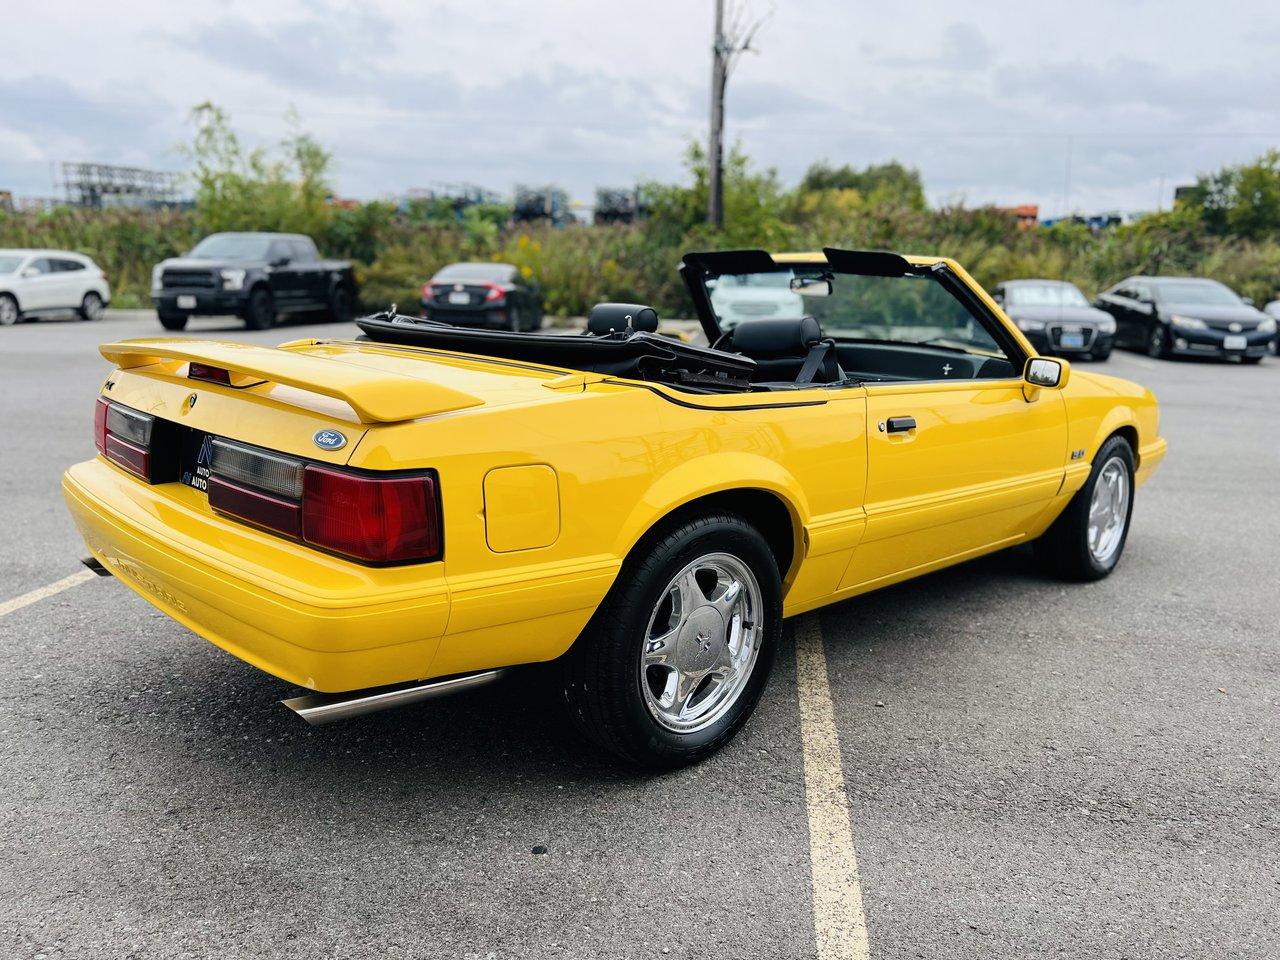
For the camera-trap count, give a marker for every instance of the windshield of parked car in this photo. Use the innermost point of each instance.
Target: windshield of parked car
(9, 264)
(233, 246)
(1044, 295)
(466, 272)
(1201, 293)
(912, 309)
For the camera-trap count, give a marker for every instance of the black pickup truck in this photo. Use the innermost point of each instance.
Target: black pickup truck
(255, 276)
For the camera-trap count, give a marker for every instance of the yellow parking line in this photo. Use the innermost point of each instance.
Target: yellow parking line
(840, 926)
(66, 583)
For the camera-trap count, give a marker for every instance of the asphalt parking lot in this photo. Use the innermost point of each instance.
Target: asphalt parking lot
(1030, 769)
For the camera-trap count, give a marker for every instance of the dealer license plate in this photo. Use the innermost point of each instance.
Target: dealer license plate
(195, 459)
(186, 302)
(460, 297)
(1235, 343)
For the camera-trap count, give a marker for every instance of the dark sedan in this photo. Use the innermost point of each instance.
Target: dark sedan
(1057, 318)
(1187, 316)
(492, 295)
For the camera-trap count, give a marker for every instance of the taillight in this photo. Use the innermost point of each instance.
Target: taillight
(376, 519)
(427, 292)
(370, 518)
(123, 436)
(495, 293)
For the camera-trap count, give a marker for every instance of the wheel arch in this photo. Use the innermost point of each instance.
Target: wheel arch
(763, 493)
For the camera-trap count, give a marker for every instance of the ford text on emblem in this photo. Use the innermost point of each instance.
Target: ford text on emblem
(329, 440)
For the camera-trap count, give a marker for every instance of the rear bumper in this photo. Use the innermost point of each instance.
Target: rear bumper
(491, 317)
(305, 617)
(208, 302)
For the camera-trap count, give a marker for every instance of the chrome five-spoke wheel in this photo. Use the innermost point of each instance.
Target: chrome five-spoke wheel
(1109, 510)
(701, 643)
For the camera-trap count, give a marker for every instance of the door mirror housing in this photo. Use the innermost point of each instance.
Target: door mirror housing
(1044, 373)
(281, 262)
(30, 272)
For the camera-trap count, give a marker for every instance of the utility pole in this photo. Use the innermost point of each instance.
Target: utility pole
(729, 44)
(715, 150)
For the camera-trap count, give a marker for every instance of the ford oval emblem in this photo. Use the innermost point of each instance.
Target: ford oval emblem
(329, 440)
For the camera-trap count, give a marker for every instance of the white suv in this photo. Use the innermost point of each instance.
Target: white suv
(38, 282)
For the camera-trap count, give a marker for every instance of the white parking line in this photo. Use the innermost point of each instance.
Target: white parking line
(66, 583)
(840, 926)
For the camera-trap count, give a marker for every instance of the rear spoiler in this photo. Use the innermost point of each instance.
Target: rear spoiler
(374, 395)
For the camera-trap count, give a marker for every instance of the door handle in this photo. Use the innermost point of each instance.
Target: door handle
(900, 424)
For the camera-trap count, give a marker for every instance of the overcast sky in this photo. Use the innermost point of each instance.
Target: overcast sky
(1094, 104)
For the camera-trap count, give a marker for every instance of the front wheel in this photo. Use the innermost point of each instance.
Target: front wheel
(260, 311)
(173, 321)
(9, 313)
(1158, 342)
(91, 307)
(1100, 356)
(1086, 541)
(340, 305)
(675, 659)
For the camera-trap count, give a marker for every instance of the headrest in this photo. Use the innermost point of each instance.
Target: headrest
(783, 337)
(607, 317)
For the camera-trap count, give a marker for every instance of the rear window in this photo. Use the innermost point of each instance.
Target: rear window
(493, 272)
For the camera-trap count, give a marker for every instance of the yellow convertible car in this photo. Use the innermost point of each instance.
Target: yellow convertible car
(382, 519)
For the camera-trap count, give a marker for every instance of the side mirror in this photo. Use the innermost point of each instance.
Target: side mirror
(281, 262)
(31, 272)
(1249, 301)
(998, 297)
(1044, 373)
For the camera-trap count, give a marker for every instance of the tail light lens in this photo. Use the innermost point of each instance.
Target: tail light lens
(427, 292)
(123, 436)
(378, 520)
(495, 293)
(369, 518)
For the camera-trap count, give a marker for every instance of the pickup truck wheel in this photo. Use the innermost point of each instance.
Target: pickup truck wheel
(173, 321)
(1086, 541)
(9, 313)
(675, 659)
(340, 305)
(91, 307)
(260, 312)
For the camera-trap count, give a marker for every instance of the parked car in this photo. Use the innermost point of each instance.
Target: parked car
(254, 276)
(429, 506)
(1187, 316)
(1272, 310)
(737, 300)
(37, 283)
(492, 295)
(1057, 318)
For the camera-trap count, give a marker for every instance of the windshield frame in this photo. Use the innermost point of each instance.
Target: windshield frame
(696, 268)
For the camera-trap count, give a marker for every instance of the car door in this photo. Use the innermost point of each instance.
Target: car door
(71, 282)
(39, 286)
(1142, 310)
(956, 467)
(287, 283)
(1117, 302)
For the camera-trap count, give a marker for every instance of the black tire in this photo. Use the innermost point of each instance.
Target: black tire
(1250, 360)
(173, 321)
(9, 312)
(91, 307)
(601, 675)
(260, 311)
(1064, 548)
(1100, 356)
(340, 305)
(515, 320)
(1158, 342)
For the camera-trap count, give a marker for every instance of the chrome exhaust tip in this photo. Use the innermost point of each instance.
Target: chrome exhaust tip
(321, 708)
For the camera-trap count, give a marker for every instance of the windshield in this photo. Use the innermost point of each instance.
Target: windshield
(1203, 293)
(233, 246)
(1044, 295)
(9, 264)
(914, 309)
(493, 272)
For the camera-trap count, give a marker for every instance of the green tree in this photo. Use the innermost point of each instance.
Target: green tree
(1241, 201)
(880, 183)
(240, 189)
